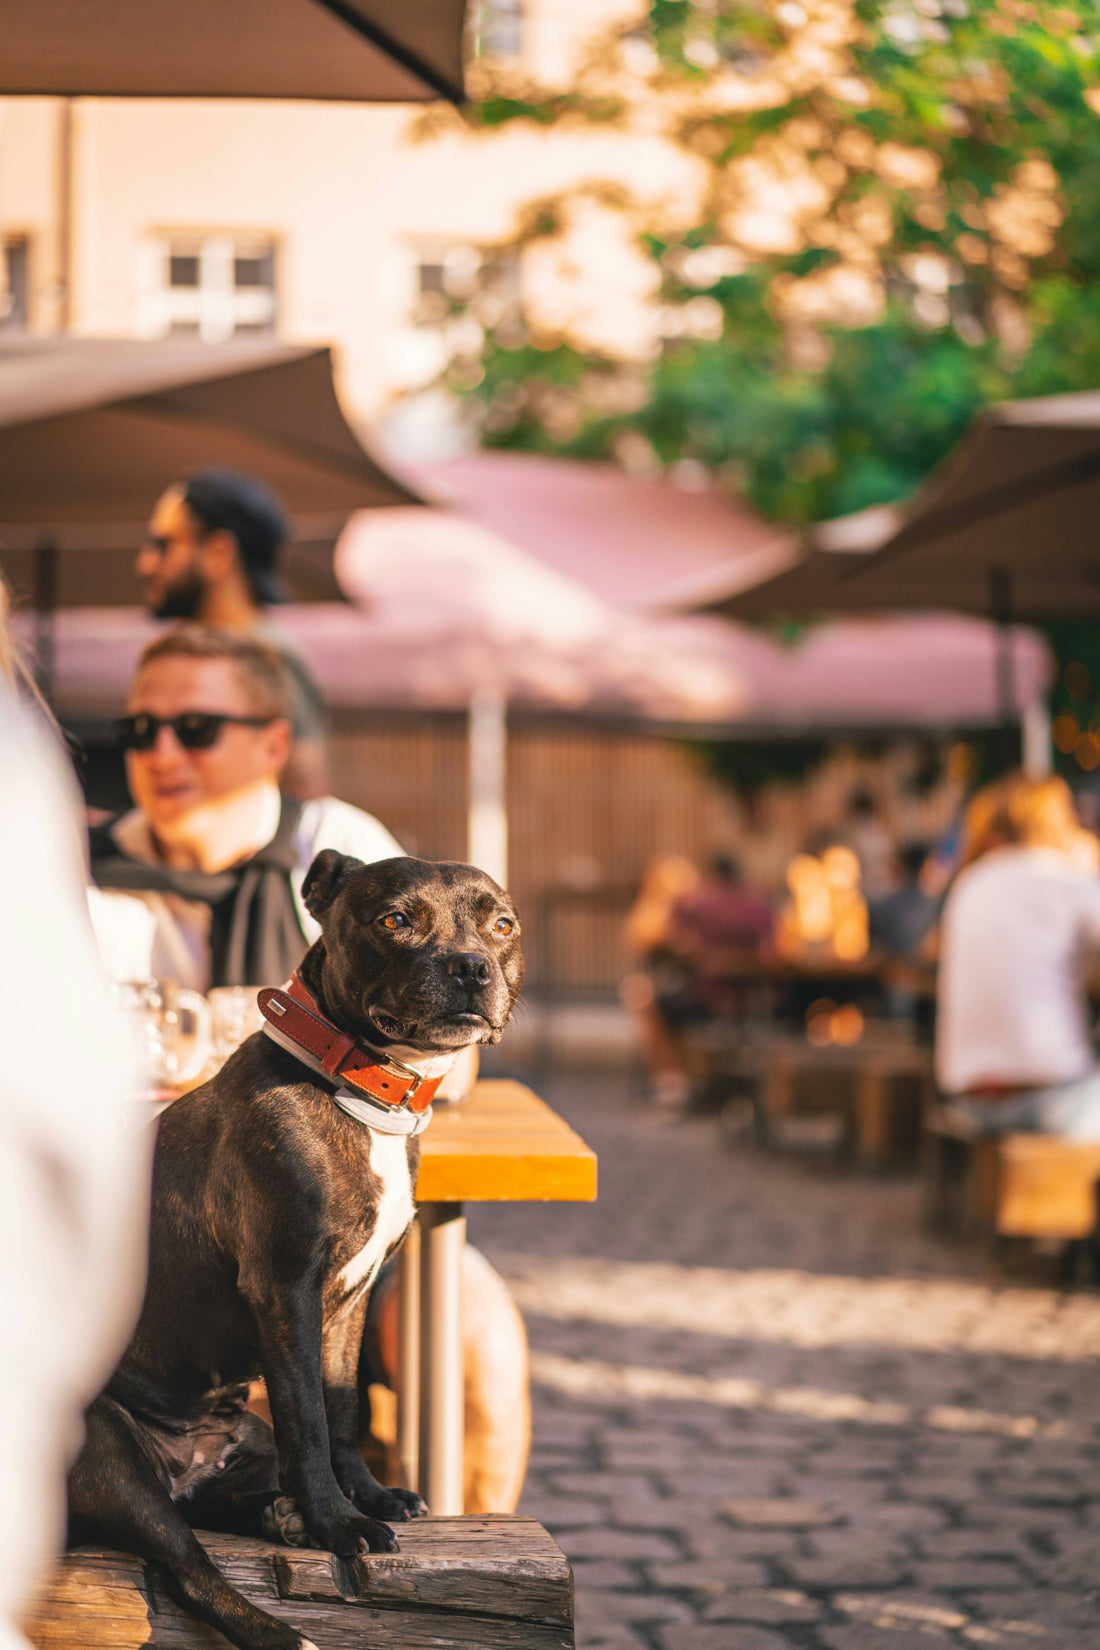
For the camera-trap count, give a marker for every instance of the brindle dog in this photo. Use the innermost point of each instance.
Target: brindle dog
(272, 1212)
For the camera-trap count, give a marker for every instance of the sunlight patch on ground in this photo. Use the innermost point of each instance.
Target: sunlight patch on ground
(901, 1616)
(808, 1310)
(611, 1383)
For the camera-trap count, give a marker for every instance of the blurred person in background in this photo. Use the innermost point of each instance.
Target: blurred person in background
(657, 973)
(865, 832)
(722, 913)
(211, 554)
(1020, 923)
(74, 1161)
(901, 929)
(701, 933)
(900, 922)
(212, 847)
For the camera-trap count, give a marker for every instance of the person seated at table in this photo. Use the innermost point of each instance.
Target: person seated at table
(712, 923)
(866, 833)
(212, 847)
(1020, 922)
(901, 929)
(656, 972)
(900, 922)
(723, 914)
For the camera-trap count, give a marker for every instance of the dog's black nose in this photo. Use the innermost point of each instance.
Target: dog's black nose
(469, 966)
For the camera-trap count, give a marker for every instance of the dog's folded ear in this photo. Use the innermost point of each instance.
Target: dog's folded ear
(325, 878)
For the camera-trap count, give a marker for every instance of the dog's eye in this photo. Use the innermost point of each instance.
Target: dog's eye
(503, 925)
(394, 919)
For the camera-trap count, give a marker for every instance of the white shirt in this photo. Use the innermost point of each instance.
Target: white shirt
(178, 941)
(1017, 928)
(74, 1161)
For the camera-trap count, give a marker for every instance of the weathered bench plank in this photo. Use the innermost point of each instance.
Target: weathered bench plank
(497, 1582)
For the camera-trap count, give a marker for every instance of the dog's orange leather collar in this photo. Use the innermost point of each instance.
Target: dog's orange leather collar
(293, 1011)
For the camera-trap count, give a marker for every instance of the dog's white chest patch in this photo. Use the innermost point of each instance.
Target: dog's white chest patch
(389, 1160)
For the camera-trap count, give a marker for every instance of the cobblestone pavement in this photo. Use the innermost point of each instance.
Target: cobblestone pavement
(771, 1414)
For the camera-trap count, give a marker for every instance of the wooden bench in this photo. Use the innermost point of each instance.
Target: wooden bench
(491, 1583)
(879, 1088)
(1015, 1185)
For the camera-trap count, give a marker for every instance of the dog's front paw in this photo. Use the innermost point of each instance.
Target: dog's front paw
(395, 1506)
(339, 1527)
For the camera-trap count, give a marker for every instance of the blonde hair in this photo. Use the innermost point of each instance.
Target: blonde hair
(1040, 813)
(665, 880)
(14, 672)
(1034, 813)
(9, 669)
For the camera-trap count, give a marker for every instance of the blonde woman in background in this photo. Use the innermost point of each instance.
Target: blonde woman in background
(1013, 1049)
(73, 1165)
(647, 934)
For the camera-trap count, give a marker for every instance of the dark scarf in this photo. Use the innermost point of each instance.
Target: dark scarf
(256, 937)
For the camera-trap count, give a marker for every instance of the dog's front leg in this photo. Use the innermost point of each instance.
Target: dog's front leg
(288, 1323)
(341, 1349)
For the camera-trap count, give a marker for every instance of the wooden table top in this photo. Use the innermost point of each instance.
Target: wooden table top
(503, 1145)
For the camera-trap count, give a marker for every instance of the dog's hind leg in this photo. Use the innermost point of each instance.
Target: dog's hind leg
(116, 1494)
(238, 1498)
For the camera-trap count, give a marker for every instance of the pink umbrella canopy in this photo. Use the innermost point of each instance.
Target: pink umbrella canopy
(451, 610)
(634, 541)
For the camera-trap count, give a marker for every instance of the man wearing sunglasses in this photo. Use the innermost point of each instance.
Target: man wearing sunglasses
(212, 848)
(211, 555)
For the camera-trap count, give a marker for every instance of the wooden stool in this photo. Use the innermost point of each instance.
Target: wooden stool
(1016, 1185)
(495, 1583)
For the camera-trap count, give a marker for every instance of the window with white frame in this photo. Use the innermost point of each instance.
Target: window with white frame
(15, 290)
(211, 287)
(482, 283)
(497, 28)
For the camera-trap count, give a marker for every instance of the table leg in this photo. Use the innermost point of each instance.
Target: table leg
(408, 1359)
(873, 1095)
(442, 1394)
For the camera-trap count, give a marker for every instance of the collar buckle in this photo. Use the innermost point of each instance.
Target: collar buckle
(388, 1063)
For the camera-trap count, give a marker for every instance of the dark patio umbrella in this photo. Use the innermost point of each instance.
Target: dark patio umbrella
(92, 430)
(374, 51)
(1005, 529)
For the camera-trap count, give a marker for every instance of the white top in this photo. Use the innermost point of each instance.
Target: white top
(1017, 928)
(179, 939)
(74, 1160)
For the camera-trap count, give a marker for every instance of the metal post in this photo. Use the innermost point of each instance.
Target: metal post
(408, 1359)
(1000, 596)
(1038, 756)
(487, 837)
(66, 140)
(442, 1387)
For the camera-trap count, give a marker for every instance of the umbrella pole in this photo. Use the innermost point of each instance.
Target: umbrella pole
(1000, 600)
(487, 837)
(45, 616)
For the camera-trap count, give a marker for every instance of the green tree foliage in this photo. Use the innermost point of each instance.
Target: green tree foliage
(946, 253)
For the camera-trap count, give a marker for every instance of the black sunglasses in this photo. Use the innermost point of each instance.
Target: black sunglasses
(196, 730)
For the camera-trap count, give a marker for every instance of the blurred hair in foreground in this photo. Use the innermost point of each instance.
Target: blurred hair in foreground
(74, 1157)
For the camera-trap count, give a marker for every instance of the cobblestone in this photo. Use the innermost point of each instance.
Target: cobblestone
(721, 1638)
(768, 1608)
(712, 1576)
(772, 1414)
